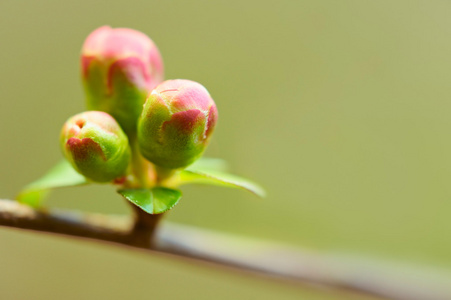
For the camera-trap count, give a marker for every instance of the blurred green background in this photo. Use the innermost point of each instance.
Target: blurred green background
(340, 108)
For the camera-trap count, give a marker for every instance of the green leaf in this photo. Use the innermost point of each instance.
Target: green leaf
(61, 175)
(221, 179)
(209, 164)
(153, 201)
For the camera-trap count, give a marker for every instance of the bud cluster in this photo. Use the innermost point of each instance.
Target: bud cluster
(133, 112)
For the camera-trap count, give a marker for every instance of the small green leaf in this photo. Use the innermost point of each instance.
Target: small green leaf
(153, 201)
(221, 179)
(61, 175)
(209, 164)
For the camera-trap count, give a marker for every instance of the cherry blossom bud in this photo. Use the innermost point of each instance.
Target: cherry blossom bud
(119, 69)
(95, 145)
(177, 121)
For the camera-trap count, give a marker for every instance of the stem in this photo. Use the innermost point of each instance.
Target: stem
(278, 261)
(141, 168)
(144, 227)
(145, 224)
(164, 175)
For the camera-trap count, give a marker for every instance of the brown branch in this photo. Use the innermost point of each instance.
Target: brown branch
(278, 261)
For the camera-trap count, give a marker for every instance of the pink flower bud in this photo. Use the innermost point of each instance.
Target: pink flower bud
(177, 121)
(95, 145)
(119, 68)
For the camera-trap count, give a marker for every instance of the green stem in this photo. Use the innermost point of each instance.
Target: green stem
(140, 167)
(164, 175)
(145, 224)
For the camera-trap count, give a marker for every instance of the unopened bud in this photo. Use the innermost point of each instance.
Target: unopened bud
(119, 68)
(95, 145)
(177, 121)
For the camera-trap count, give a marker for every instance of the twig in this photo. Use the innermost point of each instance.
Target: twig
(264, 258)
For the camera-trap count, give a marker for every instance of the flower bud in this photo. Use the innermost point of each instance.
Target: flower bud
(119, 69)
(176, 123)
(95, 145)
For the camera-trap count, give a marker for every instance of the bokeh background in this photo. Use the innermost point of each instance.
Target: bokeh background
(341, 109)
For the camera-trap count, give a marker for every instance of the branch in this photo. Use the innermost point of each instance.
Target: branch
(262, 257)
